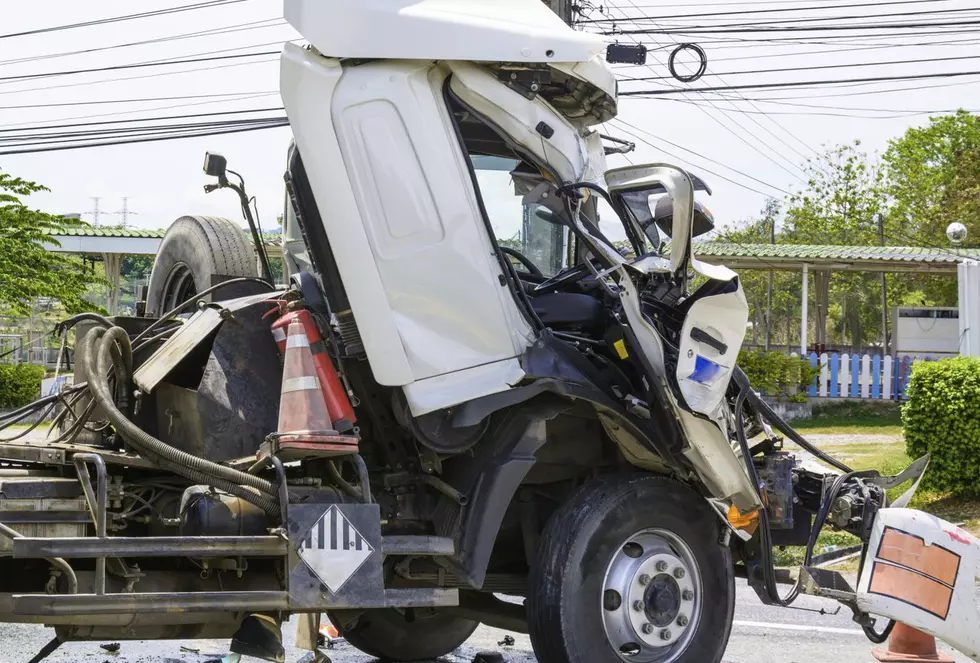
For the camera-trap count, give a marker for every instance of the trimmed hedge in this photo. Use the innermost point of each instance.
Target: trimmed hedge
(19, 384)
(942, 418)
(777, 374)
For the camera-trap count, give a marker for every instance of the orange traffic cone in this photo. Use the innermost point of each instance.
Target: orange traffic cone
(302, 406)
(910, 645)
(305, 428)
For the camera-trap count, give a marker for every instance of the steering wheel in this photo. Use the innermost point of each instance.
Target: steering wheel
(523, 259)
(562, 280)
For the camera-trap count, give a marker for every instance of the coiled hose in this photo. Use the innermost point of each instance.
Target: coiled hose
(114, 354)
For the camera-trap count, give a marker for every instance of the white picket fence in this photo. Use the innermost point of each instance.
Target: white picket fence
(861, 376)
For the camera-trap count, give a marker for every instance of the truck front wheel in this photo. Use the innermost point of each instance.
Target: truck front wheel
(632, 570)
(412, 634)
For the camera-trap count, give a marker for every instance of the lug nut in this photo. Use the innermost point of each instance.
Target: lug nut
(682, 620)
(647, 628)
(661, 566)
(644, 579)
(639, 606)
(665, 634)
(687, 595)
(679, 573)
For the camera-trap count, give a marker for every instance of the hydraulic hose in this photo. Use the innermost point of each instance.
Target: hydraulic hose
(115, 347)
(763, 408)
(56, 562)
(193, 300)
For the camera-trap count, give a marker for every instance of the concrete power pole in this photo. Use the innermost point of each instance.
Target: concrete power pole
(561, 7)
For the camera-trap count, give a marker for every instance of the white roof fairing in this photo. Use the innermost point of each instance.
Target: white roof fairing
(474, 30)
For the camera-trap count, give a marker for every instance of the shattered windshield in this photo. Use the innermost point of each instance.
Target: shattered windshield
(515, 225)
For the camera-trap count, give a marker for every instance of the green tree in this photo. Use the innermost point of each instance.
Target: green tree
(755, 283)
(136, 267)
(27, 269)
(845, 192)
(933, 179)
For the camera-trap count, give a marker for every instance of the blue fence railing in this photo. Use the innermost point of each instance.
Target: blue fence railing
(862, 376)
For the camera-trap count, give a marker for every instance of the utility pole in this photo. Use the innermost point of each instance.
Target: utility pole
(563, 8)
(772, 240)
(880, 218)
(95, 212)
(125, 211)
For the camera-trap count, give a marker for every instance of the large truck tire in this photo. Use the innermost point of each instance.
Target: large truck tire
(194, 250)
(632, 569)
(404, 635)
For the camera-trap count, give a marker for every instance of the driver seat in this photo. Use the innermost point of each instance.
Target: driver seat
(570, 311)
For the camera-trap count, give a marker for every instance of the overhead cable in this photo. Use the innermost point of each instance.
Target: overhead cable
(126, 17)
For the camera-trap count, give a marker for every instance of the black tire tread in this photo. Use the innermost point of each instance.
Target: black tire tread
(226, 249)
(546, 617)
(383, 635)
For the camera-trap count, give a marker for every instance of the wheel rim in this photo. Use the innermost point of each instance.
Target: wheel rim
(651, 597)
(179, 287)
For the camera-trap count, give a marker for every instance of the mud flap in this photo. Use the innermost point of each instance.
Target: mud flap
(922, 571)
(335, 556)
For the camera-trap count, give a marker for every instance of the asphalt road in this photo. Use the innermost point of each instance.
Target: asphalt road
(761, 634)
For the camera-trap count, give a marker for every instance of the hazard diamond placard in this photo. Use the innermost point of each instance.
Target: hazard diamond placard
(334, 549)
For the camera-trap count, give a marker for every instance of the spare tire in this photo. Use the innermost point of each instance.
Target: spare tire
(194, 251)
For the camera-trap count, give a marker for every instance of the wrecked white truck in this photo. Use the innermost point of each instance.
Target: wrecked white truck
(423, 418)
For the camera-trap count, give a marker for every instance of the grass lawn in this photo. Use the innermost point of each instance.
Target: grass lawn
(854, 418)
(890, 458)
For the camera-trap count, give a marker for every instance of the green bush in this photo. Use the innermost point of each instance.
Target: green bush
(19, 384)
(776, 374)
(942, 418)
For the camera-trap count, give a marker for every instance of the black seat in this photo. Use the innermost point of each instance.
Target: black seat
(570, 311)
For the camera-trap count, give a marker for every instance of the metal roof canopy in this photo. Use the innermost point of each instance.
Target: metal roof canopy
(123, 241)
(793, 257)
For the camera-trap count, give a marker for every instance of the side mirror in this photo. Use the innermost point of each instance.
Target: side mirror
(663, 216)
(215, 165)
(660, 178)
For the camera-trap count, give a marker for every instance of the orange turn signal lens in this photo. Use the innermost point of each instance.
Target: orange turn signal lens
(748, 522)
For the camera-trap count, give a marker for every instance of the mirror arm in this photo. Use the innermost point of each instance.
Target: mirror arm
(252, 226)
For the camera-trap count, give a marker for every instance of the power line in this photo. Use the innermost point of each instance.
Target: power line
(810, 19)
(954, 43)
(788, 84)
(136, 78)
(194, 131)
(766, 11)
(240, 27)
(768, 131)
(893, 114)
(138, 65)
(135, 100)
(747, 131)
(127, 17)
(699, 155)
(812, 68)
(144, 119)
(860, 93)
(84, 137)
(849, 108)
(762, 3)
(714, 30)
(242, 97)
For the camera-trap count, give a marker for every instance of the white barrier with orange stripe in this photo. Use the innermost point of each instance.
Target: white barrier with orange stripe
(923, 571)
